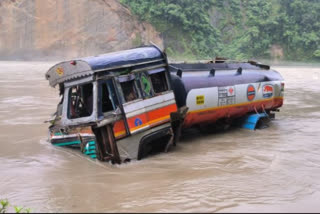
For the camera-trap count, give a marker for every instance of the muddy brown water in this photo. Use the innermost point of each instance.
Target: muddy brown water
(275, 169)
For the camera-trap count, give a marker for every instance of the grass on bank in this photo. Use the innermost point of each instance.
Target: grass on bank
(5, 206)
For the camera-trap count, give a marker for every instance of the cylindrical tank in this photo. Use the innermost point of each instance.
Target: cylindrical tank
(225, 90)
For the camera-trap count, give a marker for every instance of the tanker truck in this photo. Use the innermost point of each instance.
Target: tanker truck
(126, 105)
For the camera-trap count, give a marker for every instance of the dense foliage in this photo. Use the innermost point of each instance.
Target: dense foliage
(289, 29)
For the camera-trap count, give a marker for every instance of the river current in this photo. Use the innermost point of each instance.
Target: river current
(276, 169)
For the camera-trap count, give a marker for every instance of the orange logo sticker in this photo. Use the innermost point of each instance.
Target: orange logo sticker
(59, 71)
(251, 92)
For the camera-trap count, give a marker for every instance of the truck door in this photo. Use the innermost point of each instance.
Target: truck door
(133, 103)
(147, 99)
(112, 122)
(109, 107)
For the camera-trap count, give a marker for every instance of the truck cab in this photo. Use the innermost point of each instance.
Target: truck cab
(114, 107)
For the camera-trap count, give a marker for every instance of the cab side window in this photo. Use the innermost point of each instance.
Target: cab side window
(129, 90)
(159, 82)
(80, 101)
(146, 86)
(105, 98)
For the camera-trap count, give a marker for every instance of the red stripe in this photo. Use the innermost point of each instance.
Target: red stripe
(158, 113)
(119, 129)
(212, 115)
(152, 115)
(142, 117)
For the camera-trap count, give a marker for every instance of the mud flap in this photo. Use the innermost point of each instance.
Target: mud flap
(254, 121)
(106, 146)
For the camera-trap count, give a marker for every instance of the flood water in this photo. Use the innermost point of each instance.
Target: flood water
(270, 170)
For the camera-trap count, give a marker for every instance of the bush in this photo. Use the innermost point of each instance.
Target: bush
(4, 207)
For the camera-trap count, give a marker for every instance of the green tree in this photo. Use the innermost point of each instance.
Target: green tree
(184, 25)
(239, 29)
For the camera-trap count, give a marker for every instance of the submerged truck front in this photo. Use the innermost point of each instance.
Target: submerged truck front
(114, 107)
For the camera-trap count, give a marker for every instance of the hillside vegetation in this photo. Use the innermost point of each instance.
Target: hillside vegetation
(238, 29)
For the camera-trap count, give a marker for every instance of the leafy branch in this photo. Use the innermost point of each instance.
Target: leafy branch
(5, 205)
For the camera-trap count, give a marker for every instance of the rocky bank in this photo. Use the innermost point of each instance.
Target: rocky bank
(58, 29)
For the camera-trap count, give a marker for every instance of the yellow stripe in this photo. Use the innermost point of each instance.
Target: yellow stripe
(144, 125)
(159, 119)
(119, 133)
(234, 105)
(150, 122)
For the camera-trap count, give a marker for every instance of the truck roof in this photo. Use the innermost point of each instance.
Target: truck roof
(84, 67)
